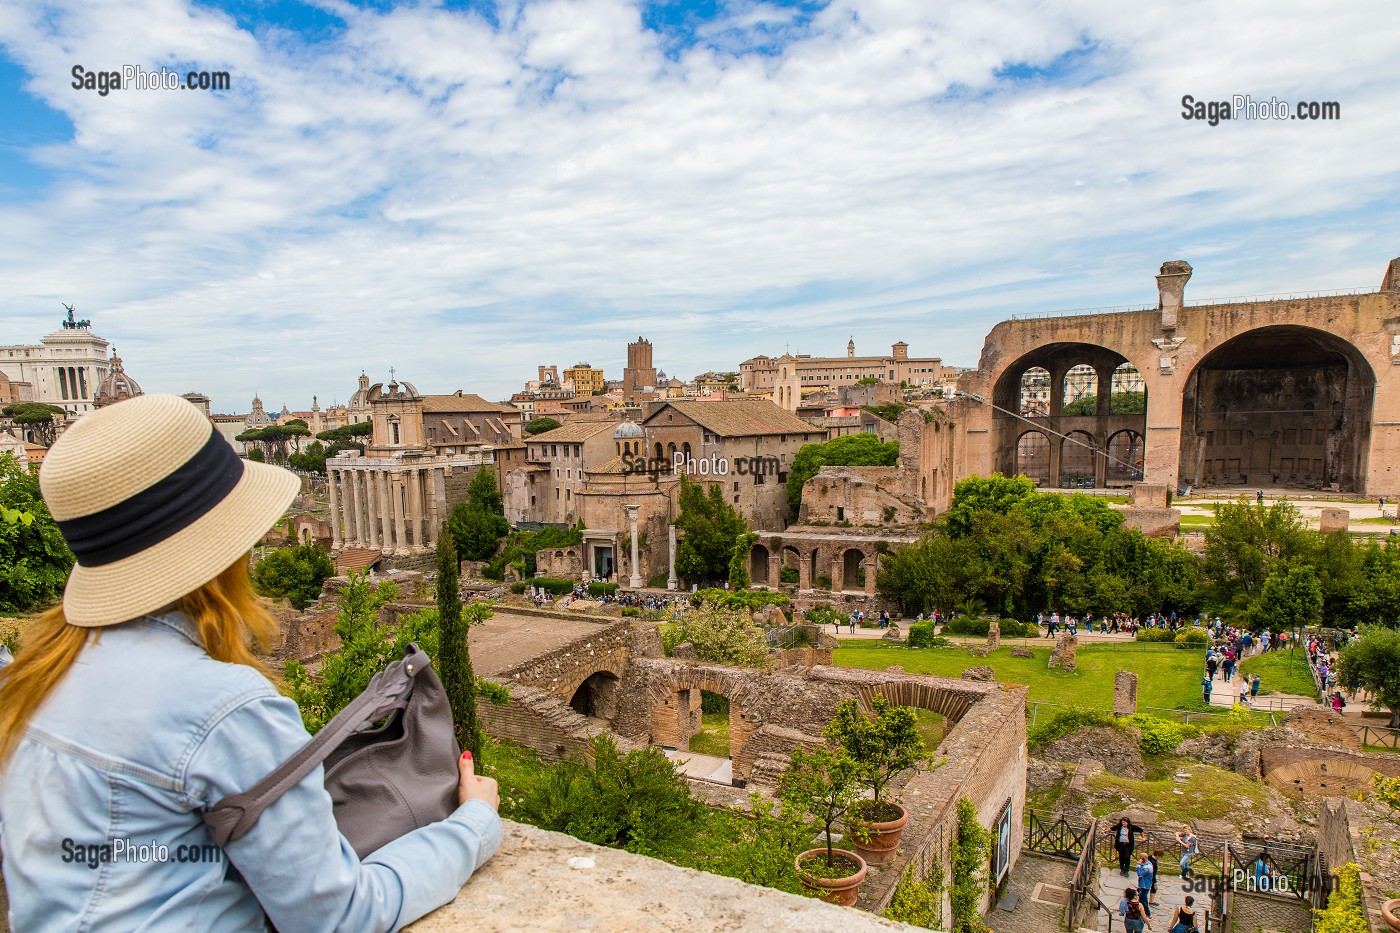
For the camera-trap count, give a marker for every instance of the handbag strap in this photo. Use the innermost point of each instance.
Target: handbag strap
(234, 815)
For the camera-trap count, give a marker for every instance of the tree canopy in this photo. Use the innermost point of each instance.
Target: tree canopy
(40, 416)
(274, 439)
(710, 530)
(295, 573)
(539, 426)
(476, 525)
(850, 450)
(34, 559)
(1020, 551)
(1119, 403)
(1373, 661)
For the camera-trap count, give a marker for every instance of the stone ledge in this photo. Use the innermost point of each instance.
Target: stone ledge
(544, 881)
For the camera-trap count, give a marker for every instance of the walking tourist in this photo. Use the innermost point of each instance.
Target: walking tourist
(161, 532)
(1244, 693)
(1133, 913)
(1254, 686)
(1205, 690)
(1156, 859)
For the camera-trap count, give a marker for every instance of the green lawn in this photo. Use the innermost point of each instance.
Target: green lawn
(1167, 676)
(930, 728)
(1207, 794)
(713, 737)
(1281, 672)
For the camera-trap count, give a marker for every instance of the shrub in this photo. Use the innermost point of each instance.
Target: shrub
(552, 585)
(721, 636)
(925, 635)
(634, 801)
(295, 573)
(823, 581)
(1063, 723)
(1192, 638)
(969, 854)
(1159, 736)
(751, 600)
(822, 614)
(1153, 635)
(1011, 628)
(788, 575)
(918, 903)
(596, 589)
(1343, 913)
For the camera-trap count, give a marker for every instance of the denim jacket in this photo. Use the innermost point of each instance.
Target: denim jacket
(145, 732)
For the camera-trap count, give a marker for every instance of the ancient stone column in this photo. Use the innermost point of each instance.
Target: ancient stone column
(775, 568)
(671, 581)
(870, 564)
(414, 480)
(1125, 685)
(397, 502)
(438, 493)
(636, 579)
(347, 506)
(331, 478)
(804, 573)
(838, 573)
(386, 514)
(430, 508)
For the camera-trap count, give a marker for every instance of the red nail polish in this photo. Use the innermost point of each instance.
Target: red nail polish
(467, 755)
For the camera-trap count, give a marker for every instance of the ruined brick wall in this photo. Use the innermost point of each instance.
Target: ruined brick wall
(1125, 688)
(863, 496)
(536, 720)
(564, 563)
(561, 672)
(1269, 912)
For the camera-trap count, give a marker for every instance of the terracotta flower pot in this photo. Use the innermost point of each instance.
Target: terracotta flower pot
(1390, 910)
(877, 840)
(841, 891)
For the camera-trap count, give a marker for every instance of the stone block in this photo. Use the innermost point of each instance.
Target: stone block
(984, 674)
(1063, 658)
(993, 635)
(1334, 520)
(1125, 685)
(1020, 652)
(1149, 496)
(685, 651)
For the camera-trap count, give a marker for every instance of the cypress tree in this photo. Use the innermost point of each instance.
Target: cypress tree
(454, 659)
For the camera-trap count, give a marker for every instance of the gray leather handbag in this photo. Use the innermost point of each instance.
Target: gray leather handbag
(384, 780)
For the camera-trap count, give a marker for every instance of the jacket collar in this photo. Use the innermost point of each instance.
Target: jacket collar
(176, 622)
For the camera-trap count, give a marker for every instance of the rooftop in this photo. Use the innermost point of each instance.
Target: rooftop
(739, 417)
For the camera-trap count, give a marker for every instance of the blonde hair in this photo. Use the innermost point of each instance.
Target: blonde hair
(231, 619)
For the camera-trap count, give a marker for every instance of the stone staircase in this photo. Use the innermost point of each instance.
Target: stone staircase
(1171, 894)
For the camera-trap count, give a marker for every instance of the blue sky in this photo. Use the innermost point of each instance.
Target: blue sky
(465, 190)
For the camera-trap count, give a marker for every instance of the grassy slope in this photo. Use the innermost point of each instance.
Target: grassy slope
(1281, 673)
(1167, 677)
(1208, 793)
(713, 737)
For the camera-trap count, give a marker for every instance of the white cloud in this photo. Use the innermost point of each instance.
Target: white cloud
(461, 202)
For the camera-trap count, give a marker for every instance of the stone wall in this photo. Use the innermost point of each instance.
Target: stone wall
(1269, 912)
(560, 672)
(1342, 835)
(536, 720)
(548, 882)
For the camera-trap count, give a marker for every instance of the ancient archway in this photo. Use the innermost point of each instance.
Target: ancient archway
(1033, 457)
(1124, 458)
(1279, 406)
(758, 566)
(852, 578)
(1082, 389)
(596, 697)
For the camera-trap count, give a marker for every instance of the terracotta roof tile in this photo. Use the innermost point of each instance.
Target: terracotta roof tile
(465, 403)
(740, 417)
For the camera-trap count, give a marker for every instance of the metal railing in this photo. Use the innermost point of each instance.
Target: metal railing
(1379, 736)
(1057, 836)
(1085, 876)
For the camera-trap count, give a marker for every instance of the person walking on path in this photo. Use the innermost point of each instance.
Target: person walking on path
(1123, 842)
(1211, 664)
(1254, 686)
(1155, 859)
(1205, 690)
(1133, 913)
(1244, 693)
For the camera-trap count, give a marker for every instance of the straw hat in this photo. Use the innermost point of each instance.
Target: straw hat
(154, 503)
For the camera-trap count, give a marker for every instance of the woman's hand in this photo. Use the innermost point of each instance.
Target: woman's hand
(471, 787)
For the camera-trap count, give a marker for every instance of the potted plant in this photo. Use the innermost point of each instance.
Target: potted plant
(882, 747)
(821, 783)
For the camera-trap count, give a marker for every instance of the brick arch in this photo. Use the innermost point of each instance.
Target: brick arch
(675, 700)
(950, 704)
(571, 686)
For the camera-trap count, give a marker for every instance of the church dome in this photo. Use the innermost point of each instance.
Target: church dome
(117, 386)
(628, 430)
